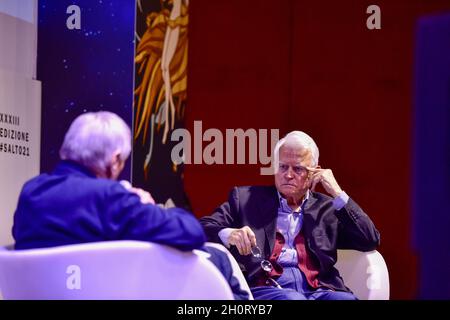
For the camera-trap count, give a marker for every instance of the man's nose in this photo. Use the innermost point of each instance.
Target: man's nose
(289, 173)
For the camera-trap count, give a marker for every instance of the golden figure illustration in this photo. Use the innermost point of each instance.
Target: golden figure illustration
(161, 63)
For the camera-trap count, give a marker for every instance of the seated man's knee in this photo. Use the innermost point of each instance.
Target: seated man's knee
(332, 295)
(272, 293)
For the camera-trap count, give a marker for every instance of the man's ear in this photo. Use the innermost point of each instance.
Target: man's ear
(114, 167)
(116, 160)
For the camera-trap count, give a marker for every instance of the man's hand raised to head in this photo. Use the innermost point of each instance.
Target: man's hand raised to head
(326, 178)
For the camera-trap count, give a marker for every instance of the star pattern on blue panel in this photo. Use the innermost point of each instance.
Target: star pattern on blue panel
(84, 70)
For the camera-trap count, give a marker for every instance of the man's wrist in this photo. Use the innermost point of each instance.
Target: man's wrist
(340, 200)
(336, 191)
(224, 235)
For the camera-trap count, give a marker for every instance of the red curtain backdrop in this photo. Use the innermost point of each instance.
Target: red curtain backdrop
(313, 66)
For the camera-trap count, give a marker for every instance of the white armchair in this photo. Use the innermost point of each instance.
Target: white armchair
(110, 270)
(365, 273)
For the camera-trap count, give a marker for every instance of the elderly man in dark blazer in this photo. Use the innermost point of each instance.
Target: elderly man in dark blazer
(285, 237)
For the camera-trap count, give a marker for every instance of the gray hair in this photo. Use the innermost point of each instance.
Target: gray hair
(94, 137)
(296, 139)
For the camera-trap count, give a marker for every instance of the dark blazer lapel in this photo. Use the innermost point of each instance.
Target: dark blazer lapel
(309, 215)
(309, 203)
(269, 211)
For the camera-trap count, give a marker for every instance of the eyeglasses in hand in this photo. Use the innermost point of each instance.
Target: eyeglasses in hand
(266, 265)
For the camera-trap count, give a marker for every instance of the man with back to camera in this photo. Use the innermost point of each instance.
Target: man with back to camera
(81, 201)
(285, 237)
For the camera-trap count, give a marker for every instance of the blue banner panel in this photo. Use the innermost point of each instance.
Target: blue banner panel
(85, 63)
(432, 157)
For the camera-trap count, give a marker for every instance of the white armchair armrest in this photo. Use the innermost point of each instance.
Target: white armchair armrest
(365, 273)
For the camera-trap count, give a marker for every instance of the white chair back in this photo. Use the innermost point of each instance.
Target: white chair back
(110, 270)
(365, 273)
